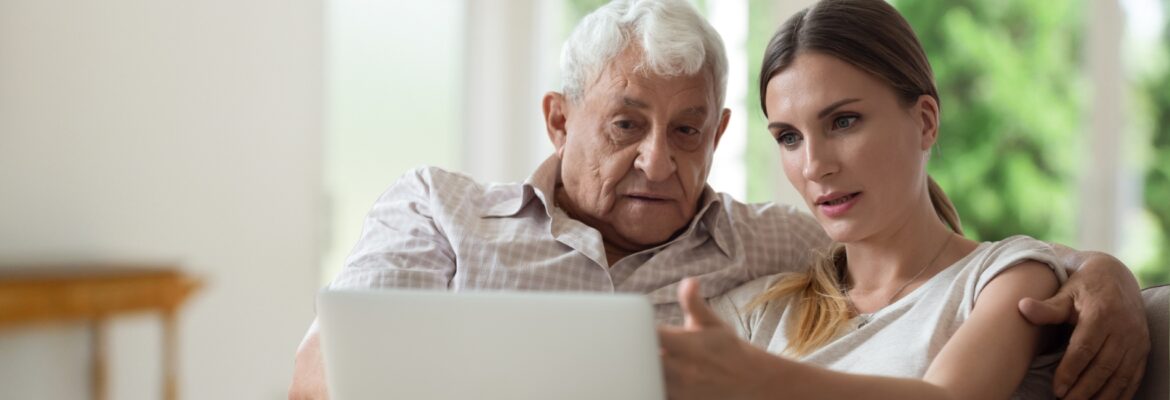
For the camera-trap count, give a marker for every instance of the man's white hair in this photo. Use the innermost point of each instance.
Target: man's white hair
(674, 41)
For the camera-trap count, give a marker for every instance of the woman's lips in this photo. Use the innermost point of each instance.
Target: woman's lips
(838, 206)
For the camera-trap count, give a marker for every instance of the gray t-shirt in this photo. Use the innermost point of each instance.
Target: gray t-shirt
(902, 339)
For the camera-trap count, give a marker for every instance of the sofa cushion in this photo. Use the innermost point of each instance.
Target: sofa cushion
(1156, 383)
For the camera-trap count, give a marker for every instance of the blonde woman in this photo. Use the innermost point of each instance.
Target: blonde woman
(903, 306)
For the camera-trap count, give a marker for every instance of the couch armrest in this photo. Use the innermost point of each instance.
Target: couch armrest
(1156, 383)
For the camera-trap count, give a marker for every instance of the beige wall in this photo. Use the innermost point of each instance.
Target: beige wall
(174, 131)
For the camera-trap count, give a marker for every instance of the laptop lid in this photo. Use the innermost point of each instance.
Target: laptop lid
(403, 344)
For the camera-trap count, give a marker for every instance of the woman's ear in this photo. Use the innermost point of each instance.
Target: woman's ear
(555, 107)
(927, 111)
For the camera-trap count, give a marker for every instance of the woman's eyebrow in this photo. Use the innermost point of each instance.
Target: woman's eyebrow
(832, 107)
(820, 115)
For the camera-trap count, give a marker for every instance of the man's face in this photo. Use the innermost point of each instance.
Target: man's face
(635, 151)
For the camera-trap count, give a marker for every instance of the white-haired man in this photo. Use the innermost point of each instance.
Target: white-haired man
(622, 205)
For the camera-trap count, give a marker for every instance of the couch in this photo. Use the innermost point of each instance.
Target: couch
(1156, 383)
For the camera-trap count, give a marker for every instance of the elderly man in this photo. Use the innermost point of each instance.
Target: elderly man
(623, 205)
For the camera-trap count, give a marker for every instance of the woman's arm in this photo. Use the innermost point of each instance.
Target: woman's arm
(991, 352)
(986, 359)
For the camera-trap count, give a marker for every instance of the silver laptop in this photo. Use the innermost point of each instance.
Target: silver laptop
(402, 344)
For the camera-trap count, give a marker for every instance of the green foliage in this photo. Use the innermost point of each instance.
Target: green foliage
(762, 155)
(577, 9)
(1157, 178)
(1011, 87)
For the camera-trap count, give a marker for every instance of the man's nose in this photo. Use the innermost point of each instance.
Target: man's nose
(656, 157)
(820, 160)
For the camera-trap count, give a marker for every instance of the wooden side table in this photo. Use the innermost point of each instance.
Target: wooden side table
(93, 293)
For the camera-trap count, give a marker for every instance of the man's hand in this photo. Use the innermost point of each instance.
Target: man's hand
(1106, 355)
(309, 372)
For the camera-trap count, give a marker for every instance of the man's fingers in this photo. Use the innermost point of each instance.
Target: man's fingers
(1121, 379)
(1055, 310)
(1117, 382)
(1096, 373)
(1136, 381)
(1082, 349)
(698, 313)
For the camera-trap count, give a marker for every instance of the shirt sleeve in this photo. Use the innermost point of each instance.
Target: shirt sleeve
(736, 308)
(1012, 251)
(807, 239)
(402, 244)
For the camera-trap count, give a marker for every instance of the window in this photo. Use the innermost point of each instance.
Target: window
(392, 103)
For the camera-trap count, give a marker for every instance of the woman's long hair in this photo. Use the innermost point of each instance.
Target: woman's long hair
(872, 36)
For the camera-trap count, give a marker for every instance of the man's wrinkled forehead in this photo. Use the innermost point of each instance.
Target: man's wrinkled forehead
(634, 103)
(622, 68)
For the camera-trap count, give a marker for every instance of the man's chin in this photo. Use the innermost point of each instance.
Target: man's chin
(644, 238)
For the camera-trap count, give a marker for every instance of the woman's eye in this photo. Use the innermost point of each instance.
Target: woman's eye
(844, 122)
(788, 139)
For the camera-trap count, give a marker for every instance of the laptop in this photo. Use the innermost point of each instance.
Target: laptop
(409, 344)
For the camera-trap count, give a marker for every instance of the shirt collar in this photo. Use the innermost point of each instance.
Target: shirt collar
(540, 185)
(716, 220)
(710, 217)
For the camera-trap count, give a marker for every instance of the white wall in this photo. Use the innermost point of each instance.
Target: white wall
(174, 131)
(404, 91)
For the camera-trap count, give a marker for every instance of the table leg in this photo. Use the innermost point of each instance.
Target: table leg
(170, 367)
(97, 349)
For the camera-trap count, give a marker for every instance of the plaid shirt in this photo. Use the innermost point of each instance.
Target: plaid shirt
(435, 229)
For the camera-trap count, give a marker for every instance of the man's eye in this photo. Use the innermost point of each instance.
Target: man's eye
(624, 125)
(845, 122)
(689, 131)
(788, 139)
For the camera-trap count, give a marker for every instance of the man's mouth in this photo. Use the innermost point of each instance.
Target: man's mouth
(647, 197)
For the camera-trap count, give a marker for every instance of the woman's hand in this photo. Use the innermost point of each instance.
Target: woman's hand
(705, 359)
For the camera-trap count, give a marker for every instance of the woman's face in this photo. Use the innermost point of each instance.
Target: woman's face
(856, 154)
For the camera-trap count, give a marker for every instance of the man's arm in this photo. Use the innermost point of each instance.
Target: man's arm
(1106, 354)
(801, 238)
(309, 371)
(402, 245)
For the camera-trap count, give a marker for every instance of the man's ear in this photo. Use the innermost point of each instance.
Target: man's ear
(926, 109)
(724, 119)
(555, 107)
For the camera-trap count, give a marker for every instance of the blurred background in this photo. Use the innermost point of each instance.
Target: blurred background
(244, 140)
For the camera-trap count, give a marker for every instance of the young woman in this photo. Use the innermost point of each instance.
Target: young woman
(902, 306)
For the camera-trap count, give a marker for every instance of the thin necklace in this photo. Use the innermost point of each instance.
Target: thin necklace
(865, 318)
